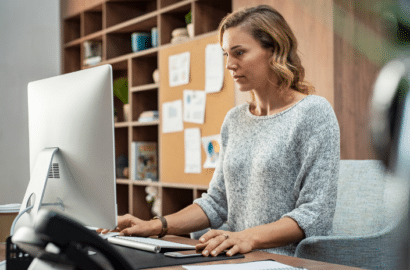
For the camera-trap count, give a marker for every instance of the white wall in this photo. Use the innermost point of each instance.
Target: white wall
(29, 51)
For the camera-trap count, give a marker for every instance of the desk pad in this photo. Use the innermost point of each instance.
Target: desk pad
(143, 259)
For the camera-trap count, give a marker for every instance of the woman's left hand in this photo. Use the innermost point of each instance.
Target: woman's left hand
(216, 241)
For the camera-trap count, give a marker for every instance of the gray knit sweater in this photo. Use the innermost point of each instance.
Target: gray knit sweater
(275, 166)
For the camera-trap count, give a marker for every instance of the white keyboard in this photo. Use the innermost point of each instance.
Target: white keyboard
(147, 244)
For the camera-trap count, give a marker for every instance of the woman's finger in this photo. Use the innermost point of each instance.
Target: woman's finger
(213, 243)
(235, 249)
(209, 235)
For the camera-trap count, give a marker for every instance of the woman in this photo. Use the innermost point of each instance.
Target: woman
(276, 178)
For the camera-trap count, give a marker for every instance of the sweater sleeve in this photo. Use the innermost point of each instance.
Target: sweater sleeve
(214, 202)
(316, 185)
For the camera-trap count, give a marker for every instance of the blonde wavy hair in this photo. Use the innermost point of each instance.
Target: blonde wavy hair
(270, 29)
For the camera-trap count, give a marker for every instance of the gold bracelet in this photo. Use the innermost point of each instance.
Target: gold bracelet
(164, 226)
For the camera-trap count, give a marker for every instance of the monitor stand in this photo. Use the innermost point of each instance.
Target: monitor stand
(35, 190)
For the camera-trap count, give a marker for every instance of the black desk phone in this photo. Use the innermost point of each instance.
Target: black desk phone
(58, 242)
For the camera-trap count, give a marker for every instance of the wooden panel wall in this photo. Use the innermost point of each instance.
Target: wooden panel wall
(337, 41)
(356, 31)
(217, 105)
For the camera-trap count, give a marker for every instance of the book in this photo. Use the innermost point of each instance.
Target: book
(92, 49)
(144, 163)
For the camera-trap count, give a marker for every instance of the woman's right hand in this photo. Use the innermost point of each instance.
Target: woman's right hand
(129, 225)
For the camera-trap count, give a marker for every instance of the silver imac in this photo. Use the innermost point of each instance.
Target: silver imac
(72, 153)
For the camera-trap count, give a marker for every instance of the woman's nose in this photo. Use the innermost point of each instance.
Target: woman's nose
(231, 64)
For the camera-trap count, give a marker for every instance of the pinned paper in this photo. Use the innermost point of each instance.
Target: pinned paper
(212, 146)
(192, 144)
(194, 106)
(172, 116)
(214, 68)
(178, 66)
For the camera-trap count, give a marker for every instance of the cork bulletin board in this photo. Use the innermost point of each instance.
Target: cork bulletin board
(171, 145)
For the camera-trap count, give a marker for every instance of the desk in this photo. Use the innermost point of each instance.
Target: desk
(249, 257)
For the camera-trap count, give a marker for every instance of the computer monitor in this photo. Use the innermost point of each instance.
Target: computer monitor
(71, 140)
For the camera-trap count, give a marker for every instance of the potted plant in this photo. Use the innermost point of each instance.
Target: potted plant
(189, 25)
(120, 89)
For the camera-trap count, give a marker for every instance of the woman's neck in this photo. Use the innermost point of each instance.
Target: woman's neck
(272, 102)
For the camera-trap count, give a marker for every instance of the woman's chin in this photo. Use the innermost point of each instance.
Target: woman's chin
(243, 88)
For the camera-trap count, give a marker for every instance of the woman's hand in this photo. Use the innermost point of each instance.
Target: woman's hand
(130, 225)
(216, 241)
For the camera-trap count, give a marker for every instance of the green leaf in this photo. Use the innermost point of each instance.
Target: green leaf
(121, 89)
(188, 18)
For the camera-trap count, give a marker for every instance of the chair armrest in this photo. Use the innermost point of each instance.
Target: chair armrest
(380, 250)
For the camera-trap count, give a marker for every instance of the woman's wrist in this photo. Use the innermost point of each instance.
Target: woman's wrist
(156, 227)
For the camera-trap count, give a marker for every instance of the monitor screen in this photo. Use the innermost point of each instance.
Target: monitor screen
(71, 138)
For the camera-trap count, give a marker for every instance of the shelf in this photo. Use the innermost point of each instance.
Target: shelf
(145, 87)
(143, 124)
(112, 22)
(145, 183)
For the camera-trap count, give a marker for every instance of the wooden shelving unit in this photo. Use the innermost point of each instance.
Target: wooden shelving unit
(112, 22)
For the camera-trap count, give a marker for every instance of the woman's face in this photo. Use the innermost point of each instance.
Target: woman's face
(247, 60)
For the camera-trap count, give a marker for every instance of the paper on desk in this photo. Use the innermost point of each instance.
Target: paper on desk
(178, 66)
(214, 68)
(192, 144)
(260, 265)
(194, 106)
(172, 116)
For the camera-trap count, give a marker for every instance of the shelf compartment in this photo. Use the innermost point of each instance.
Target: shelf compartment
(142, 69)
(121, 151)
(119, 69)
(207, 15)
(198, 193)
(122, 198)
(174, 199)
(93, 20)
(172, 19)
(140, 207)
(144, 124)
(145, 133)
(96, 37)
(118, 12)
(72, 56)
(119, 40)
(72, 28)
(144, 101)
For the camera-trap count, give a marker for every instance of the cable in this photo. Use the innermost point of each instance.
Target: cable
(18, 216)
(60, 203)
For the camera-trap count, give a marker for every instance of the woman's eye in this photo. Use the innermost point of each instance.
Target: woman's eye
(239, 53)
